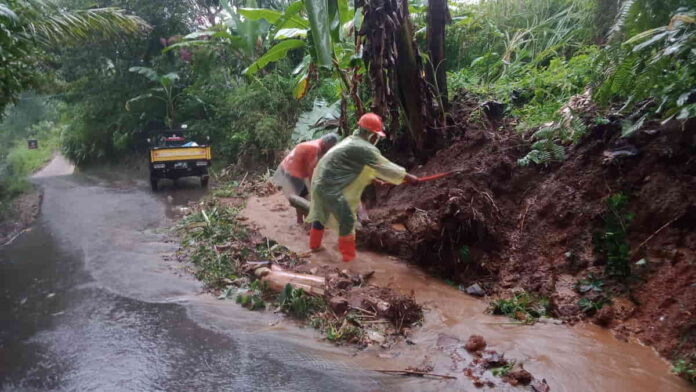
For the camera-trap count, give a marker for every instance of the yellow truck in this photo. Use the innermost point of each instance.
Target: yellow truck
(173, 157)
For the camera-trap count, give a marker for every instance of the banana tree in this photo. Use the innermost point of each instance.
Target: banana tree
(396, 70)
(243, 37)
(324, 30)
(165, 92)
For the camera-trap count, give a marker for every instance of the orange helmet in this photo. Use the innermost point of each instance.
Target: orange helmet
(372, 123)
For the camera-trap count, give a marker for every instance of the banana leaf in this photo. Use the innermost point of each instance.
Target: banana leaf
(318, 14)
(277, 52)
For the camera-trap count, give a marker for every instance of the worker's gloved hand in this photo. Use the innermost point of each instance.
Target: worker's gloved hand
(379, 182)
(411, 179)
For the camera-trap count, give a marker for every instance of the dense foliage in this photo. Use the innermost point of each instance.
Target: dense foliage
(256, 76)
(243, 74)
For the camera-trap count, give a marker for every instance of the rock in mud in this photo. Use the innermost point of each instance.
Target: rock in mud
(491, 359)
(540, 386)
(475, 343)
(339, 305)
(518, 376)
(376, 337)
(475, 290)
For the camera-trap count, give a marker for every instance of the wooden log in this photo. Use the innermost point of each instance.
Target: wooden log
(277, 280)
(299, 202)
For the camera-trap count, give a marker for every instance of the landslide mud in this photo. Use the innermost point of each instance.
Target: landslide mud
(532, 227)
(566, 357)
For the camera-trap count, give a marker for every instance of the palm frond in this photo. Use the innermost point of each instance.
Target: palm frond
(6, 12)
(71, 27)
(621, 18)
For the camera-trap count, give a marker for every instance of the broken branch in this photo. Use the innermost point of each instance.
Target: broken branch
(415, 373)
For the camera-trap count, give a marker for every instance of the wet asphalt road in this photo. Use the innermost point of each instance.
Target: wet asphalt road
(88, 304)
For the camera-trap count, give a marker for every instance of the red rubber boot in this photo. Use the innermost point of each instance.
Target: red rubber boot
(346, 245)
(315, 236)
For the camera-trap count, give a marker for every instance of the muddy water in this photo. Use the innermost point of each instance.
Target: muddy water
(578, 358)
(87, 303)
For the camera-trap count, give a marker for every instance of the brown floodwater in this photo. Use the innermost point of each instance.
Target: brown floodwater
(582, 357)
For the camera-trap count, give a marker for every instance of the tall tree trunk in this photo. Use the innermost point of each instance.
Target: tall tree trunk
(438, 17)
(395, 70)
(412, 92)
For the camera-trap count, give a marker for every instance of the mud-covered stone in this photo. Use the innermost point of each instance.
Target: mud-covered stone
(518, 376)
(475, 343)
(491, 359)
(475, 290)
(539, 385)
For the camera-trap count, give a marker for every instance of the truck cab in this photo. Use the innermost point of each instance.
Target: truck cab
(173, 156)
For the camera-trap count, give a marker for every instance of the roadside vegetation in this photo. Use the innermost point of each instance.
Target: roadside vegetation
(228, 257)
(33, 117)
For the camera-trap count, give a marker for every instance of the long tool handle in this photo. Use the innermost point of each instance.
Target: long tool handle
(422, 179)
(435, 176)
(299, 202)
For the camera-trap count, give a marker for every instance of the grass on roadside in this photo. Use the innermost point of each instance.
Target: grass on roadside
(218, 244)
(523, 306)
(685, 368)
(20, 162)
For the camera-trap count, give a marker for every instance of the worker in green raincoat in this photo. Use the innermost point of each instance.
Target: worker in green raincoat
(340, 178)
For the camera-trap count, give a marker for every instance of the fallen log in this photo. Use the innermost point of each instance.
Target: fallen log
(277, 279)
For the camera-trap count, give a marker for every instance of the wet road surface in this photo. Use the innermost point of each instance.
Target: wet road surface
(88, 304)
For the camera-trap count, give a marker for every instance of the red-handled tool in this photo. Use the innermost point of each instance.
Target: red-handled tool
(421, 179)
(435, 176)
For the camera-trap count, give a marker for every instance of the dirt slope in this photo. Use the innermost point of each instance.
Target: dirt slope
(508, 227)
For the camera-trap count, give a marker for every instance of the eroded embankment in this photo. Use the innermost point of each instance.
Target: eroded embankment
(509, 227)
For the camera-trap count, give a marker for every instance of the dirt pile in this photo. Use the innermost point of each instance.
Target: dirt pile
(505, 226)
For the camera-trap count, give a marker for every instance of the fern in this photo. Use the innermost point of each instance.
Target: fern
(545, 149)
(623, 75)
(656, 62)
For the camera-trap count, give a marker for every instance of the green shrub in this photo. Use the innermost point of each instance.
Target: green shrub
(202, 232)
(686, 369)
(612, 241)
(297, 303)
(523, 306)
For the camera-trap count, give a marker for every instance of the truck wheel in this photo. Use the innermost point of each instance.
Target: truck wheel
(204, 181)
(153, 184)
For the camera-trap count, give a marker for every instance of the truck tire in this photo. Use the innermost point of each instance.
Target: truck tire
(204, 181)
(153, 184)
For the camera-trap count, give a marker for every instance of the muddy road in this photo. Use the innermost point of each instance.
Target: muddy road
(583, 357)
(87, 303)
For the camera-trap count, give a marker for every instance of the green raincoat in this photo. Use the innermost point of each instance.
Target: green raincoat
(340, 178)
